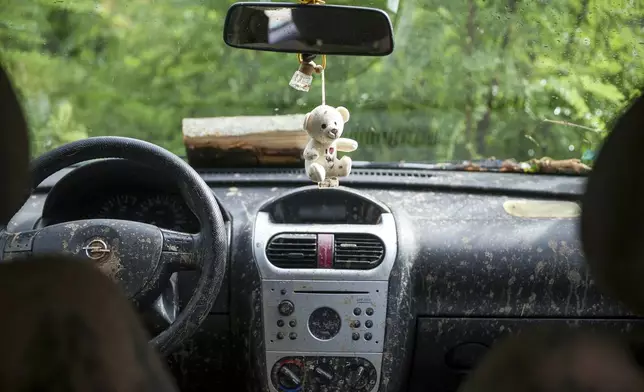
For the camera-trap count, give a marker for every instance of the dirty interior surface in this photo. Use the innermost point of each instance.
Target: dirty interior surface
(404, 278)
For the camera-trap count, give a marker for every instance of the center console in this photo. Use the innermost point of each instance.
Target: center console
(325, 256)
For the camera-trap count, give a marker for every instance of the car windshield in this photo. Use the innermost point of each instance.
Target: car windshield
(468, 79)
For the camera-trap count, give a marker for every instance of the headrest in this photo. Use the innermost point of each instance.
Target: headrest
(14, 152)
(612, 221)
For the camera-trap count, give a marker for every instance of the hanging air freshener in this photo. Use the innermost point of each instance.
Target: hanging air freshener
(303, 77)
(325, 125)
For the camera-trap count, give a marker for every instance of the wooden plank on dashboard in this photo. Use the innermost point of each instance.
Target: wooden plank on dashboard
(245, 141)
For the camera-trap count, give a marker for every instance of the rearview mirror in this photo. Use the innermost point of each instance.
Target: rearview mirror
(309, 29)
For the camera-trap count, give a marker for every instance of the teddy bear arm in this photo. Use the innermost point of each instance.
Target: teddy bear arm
(346, 145)
(310, 153)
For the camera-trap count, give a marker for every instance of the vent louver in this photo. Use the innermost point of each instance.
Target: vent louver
(293, 251)
(358, 251)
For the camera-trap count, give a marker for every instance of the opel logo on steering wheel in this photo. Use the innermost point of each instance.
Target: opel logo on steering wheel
(96, 249)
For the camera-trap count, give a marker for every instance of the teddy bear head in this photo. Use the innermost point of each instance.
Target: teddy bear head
(325, 123)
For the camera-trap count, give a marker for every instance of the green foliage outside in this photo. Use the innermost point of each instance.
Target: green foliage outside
(468, 78)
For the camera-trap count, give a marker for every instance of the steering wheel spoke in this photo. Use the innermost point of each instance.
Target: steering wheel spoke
(180, 250)
(16, 245)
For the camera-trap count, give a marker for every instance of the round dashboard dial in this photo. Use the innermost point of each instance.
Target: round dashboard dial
(324, 323)
(164, 211)
(117, 207)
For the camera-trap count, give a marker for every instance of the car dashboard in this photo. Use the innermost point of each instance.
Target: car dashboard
(400, 280)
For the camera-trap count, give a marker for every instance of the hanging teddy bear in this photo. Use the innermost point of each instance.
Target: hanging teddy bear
(325, 125)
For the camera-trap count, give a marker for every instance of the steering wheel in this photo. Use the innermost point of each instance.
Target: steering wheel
(138, 256)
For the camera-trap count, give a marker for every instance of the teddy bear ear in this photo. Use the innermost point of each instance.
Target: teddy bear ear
(306, 120)
(344, 112)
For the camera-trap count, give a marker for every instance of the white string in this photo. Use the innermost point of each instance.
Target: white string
(323, 89)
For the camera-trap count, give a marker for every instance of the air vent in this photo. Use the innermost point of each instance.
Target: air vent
(293, 250)
(358, 251)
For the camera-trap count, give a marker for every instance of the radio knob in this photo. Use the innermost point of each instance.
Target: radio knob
(286, 308)
(358, 377)
(323, 374)
(289, 376)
